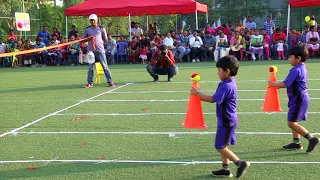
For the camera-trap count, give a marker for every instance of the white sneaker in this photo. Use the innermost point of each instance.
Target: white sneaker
(198, 60)
(193, 60)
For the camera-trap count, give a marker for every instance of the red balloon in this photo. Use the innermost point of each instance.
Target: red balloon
(20, 25)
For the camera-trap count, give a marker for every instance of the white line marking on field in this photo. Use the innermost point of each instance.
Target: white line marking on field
(150, 162)
(159, 133)
(150, 114)
(52, 114)
(170, 100)
(143, 92)
(202, 82)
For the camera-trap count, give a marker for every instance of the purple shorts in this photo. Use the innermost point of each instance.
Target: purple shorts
(225, 136)
(298, 109)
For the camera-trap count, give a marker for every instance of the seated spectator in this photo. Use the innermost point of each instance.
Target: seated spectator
(11, 42)
(256, 45)
(12, 35)
(41, 54)
(313, 41)
(73, 32)
(162, 63)
(209, 43)
(210, 29)
(56, 33)
(222, 47)
(74, 50)
(277, 36)
(236, 45)
(55, 40)
(183, 46)
(111, 48)
(295, 37)
(157, 40)
(246, 44)
(3, 49)
(137, 31)
(168, 41)
(133, 52)
(196, 43)
(266, 44)
(240, 26)
(27, 46)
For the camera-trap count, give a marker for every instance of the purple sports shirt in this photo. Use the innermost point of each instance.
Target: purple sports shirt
(226, 99)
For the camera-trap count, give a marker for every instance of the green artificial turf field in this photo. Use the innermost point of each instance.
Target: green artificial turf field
(134, 131)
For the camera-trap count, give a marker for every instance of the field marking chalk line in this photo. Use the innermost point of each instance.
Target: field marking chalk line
(148, 162)
(57, 112)
(166, 113)
(158, 133)
(174, 100)
(178, 91)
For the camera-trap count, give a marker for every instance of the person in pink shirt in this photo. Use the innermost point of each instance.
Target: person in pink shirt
(210, 29)
(266, 43)
(313, 41)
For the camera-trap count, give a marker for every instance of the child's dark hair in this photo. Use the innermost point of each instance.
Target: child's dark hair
(229, 62)
(299, 50)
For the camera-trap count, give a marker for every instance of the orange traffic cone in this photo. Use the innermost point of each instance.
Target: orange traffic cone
(271, 100)
(194, 117)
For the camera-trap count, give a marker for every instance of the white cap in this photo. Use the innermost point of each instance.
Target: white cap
(93, 16)
(90, 57)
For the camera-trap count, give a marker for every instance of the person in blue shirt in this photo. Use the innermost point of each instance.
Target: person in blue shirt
(45, 35)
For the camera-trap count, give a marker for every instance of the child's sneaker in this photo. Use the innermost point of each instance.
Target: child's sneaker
(312, 143)
(222, 173)
(293, 146)
(242, 169)
(88, 85)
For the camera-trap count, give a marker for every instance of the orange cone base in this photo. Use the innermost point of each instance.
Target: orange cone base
(188, 126)
(271, 110)
(194, 116)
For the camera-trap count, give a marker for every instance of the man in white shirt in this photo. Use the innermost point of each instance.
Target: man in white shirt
(3, 48)
(137, 31)
(196, 43)
(168, 42)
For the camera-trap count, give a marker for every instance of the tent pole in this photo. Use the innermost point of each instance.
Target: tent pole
(66, 28)
(130, 38)
(207, 17)
(197, 27)
(288, 22)
(177, 23)
(147, 22)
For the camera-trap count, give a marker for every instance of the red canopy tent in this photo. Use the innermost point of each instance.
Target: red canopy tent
(303, 3)
(137, 8)
(299, 3)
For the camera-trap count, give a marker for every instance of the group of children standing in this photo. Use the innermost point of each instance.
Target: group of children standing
(226, 103)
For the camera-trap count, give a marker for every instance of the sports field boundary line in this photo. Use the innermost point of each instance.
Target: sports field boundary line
(59, 111)
(173, 100)
(148, 162)
(202, 82)
(165, 113)
(156, 133)
(178, 91)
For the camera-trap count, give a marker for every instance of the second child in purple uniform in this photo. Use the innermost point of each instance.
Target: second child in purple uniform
(297, 91)
(226, 100)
